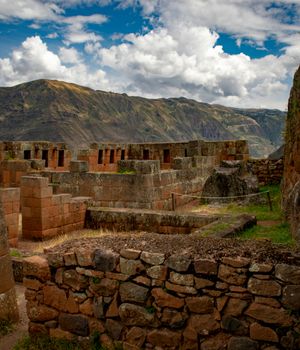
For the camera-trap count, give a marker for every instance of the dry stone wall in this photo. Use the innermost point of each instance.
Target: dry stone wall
(268, 171)
(138, 299)
(8, 302)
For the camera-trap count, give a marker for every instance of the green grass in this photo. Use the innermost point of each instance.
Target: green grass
(126, 171)
(15, 253)
(214, 228)
(276, 233)
(279, 232)
(260, 210)
(5, 327)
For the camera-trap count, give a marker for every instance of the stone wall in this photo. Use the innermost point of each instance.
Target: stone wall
(145, 187)
(10, 201)
(104, 156)
(8, 302)
(268, 171)
(45, 215)
(291, 179)
(139, 299)
(56, 155)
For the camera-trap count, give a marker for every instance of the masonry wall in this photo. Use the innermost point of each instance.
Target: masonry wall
(268, 171)
(148, 300)
(146, 187)
(8, 302)
(45, 215)
(104, 157)
(10, 201)
(56, 155)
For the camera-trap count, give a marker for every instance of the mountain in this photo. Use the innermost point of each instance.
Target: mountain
(58, 111)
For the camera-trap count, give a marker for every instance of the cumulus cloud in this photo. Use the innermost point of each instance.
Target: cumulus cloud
(33, 60)
(186, 61)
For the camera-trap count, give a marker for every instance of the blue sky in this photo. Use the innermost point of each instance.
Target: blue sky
(234, 52)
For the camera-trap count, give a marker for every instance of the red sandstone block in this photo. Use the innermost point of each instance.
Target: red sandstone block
(67, 228)
(42, 192)
(34, 181)
(16, 206)
(7, 208)
(13, 231)
(5, 177)
(26, 212)
(50, 233)
(11, 219)
(57, 221)
(66, 208)
(13, 242)
(32, 234)
(56, 199)
(65, 198)
(26, 192)
(18, 176)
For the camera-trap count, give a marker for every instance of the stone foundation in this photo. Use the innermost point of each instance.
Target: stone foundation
(149, 300)
(146, 220)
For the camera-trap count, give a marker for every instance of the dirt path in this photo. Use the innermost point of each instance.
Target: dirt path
(20, 329)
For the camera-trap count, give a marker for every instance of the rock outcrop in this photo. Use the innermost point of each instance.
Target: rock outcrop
(291, 183)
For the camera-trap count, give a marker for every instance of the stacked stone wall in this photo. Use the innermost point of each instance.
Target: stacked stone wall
(8, 302)
(268, 171)
(45, 215)
(10, 201)
(138, 299)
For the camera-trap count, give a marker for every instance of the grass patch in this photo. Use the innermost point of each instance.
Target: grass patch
(6, 327)
(214, 228)
(15, 253)
(260, 209)
(126, 171)
(279, 233)
(46, 343)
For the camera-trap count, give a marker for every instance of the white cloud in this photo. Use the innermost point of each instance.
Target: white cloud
(69, 55)
(28, 10)
(185, 61)
(76, 32)
(33, 60)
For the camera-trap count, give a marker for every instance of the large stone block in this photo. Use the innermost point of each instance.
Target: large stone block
(76, 324)
(105, 260)
(134, 315)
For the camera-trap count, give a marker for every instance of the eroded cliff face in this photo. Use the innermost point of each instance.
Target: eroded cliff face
(291, 182)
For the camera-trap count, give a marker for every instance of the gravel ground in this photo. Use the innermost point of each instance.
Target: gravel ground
(260, 251)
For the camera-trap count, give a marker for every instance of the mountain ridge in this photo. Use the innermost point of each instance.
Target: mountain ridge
(60, 111)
